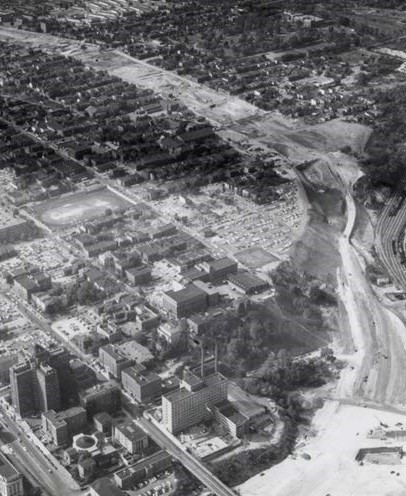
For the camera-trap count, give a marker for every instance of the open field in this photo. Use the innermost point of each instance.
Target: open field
(300, 142)
(79, 207)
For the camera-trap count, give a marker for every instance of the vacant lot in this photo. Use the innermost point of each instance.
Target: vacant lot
(79, 207)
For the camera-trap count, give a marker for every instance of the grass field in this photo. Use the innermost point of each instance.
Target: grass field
(80, 207)
(255, 257)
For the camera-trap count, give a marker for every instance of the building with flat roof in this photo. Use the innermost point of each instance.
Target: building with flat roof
(48, 388)
(248, 283)
(172, 334)
(104, 397)
(142, 470)
(191, 404)
(136, 352)
(62, 426)
(131, 437)
(233, 421)
(212, 294)
(142, 384)
(186, 301)
(113, 360)
(6, 362)
(139, 275)
(17, 230)
(219, 269)
(145, 318)
(11, 481)
(22, 389)
(103, 423)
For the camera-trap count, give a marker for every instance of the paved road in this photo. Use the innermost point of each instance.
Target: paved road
(195, 466)
(31, 461)
(378, 332)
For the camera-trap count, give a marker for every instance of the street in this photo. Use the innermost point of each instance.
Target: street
(195, 466)
(33, 463)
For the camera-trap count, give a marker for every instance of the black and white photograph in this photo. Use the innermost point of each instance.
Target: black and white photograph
(203, 247)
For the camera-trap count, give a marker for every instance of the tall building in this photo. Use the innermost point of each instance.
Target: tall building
(36, 385)
(11, 481)
(191, 404)
(6, 362)
(22, 389)
(59, 359)
(49, 397)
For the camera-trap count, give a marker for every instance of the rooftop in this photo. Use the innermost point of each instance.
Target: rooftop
(141, 376)
(182, 393)
(146, 462)
(135, 351)
(131, 431)
(221, 263)
(229, 411)
(183, 295)
(7, 471)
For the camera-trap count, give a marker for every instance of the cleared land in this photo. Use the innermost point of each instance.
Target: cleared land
(79, 207)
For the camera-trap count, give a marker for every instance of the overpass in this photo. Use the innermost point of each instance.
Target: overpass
(195, 466)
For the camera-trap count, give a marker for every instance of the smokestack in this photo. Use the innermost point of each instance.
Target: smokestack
(202, 364)
(216, 358)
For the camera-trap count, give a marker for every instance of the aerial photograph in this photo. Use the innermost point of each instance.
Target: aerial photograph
(203, 247)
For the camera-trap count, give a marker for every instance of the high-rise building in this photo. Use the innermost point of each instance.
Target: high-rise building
(49, 397)
(35, 385)
(22, 389)
(11, 481)
(191, 404)
(6, 362)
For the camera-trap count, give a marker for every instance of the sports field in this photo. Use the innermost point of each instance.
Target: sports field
(79, 207)
(255, 257)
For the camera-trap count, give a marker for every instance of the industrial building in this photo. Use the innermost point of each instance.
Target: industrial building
(192, 402)
(248, 283)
